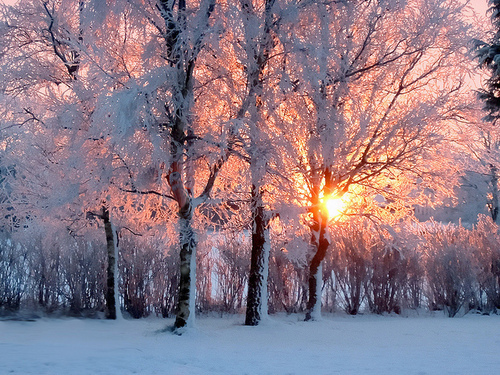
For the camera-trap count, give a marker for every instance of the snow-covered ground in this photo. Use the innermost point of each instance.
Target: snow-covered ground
(337, 344)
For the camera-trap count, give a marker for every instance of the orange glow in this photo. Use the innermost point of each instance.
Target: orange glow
(335, 207)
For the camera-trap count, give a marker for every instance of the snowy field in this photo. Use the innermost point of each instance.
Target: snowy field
(338, 344)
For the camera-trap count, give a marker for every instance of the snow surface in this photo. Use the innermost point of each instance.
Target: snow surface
(337, 344)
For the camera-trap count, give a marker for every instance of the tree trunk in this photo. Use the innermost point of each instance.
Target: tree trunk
(187, 282)
(320, 243)
(260, 47)
(493, 205)
(111, 296)
(258, 271)
(187, 243)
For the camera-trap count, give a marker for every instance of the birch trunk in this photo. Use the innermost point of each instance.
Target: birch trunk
(187, 283)
(187, 242)
(258, 275)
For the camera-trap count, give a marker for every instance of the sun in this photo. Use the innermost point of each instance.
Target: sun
(335, 206)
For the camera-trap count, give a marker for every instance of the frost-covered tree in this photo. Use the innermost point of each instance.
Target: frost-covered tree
(373, 102)
(186, 146)
(488, 55)
(56, 65)
(256, 56)
(478, 153)
(254, 36)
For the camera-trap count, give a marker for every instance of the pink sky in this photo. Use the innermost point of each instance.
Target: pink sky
(479, 5)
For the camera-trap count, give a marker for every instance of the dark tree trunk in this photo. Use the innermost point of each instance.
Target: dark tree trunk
(42, 281)
(110, 271)
(320, 243)
(493, 204)
(258, 261)
(185, 305)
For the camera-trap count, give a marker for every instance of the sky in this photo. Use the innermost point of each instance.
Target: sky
(479, 5)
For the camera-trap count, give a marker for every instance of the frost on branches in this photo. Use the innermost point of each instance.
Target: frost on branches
(258, 134)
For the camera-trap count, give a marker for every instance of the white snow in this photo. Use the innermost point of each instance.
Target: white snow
(338, 344)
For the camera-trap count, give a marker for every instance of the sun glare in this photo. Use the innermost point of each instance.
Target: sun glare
(334, 206)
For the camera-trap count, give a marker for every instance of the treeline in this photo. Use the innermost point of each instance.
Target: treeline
(431, 266)
(300, 130)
